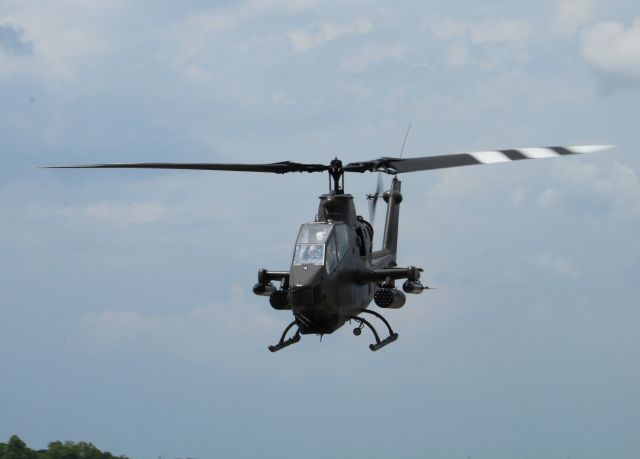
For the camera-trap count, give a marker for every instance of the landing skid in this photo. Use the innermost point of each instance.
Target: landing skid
(379, 344)
(284, 343)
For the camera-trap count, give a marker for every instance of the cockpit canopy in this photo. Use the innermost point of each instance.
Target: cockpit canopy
(321, 244)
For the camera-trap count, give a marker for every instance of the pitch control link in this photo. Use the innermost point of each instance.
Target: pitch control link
(284, 343)
(379, 344)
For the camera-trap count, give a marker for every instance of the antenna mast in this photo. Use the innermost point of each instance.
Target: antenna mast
(405, 140)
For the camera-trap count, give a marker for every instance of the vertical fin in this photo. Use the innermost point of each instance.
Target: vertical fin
(393, 197)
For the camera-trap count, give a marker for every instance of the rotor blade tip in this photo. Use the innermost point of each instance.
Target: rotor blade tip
(591, 148)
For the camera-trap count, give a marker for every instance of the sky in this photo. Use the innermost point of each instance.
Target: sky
(126, 312)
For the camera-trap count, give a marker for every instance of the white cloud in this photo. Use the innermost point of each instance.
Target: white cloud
(205, 47)
(221, 19)
(359, 89)
(613, 49)
(580, 184)
(457, 56)
(558, 266)
(500, 30)
(484, 42)
(569, 15)
(124, 214)
(446, 29)
(201, 333)
(134, 213)
(553, 265)
(519, 196)
(372, 54)
(303, 41)
(218, 19)
(507, 30)
(62, 43)
(548, 198)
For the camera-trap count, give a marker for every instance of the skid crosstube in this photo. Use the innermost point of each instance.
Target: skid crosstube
(379, 344)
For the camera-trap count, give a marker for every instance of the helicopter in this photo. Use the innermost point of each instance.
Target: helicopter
(335, 272)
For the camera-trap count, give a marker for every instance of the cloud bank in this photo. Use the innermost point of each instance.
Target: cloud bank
(613, 49)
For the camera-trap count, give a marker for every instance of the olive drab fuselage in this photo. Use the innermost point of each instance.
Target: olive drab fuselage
(325, 293)
(335, 273)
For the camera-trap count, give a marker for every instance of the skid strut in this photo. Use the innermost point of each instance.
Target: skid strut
(379, 343)
(284, 343)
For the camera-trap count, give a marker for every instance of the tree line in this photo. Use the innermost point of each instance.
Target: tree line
(15, 448)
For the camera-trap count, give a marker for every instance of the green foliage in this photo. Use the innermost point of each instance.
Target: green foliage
(70, 450)
(17, 449)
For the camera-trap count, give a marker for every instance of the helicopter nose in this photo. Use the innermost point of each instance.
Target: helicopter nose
(305, 301)
(306, 286)
(312, 316)
(304, 296)
(308, 300)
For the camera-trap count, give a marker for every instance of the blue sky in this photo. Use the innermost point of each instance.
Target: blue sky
(126, 311)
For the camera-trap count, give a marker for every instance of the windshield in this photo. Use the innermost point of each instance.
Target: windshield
(309, 254)
(310, 245)
(314, 233)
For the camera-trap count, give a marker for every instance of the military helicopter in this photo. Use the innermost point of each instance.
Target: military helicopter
(335, 272)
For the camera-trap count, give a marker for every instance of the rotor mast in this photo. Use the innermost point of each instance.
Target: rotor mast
(336, 173)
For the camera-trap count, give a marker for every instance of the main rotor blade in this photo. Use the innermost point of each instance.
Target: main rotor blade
(388, 165)
(276, 168)
(398, 165)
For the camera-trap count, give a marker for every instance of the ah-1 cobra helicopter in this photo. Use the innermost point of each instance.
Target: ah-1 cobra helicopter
(335, 273)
